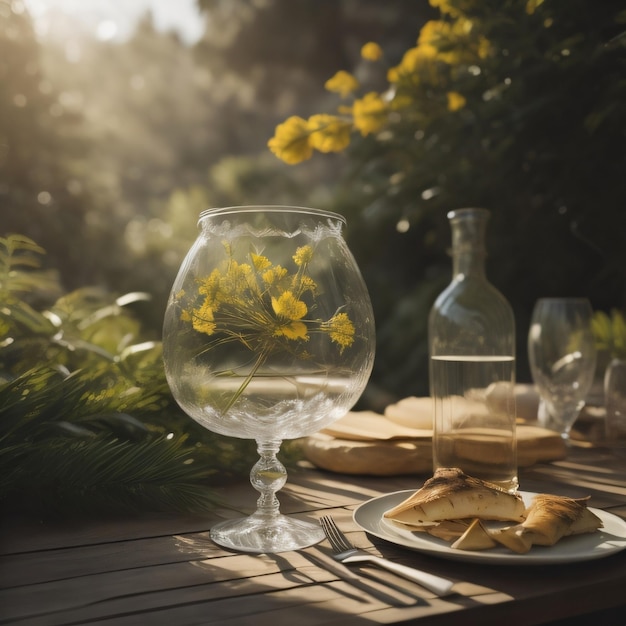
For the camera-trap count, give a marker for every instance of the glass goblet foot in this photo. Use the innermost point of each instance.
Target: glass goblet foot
(267, 530)
(257, 533)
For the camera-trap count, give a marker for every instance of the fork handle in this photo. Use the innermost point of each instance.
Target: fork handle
(436, 584)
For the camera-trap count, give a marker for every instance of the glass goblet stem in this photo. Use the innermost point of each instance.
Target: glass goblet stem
(268, 476)
(267, 530)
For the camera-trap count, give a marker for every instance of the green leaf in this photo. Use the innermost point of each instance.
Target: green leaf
(20, 268)
(95, 429)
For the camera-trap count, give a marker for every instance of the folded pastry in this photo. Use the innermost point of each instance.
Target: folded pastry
(450, 495)
(448, 530)
(476, 537)
(548, 519)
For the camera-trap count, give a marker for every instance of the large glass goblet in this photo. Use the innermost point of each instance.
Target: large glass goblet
(562, 356)
(268, 335)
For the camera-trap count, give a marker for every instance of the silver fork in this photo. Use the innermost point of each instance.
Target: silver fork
(345, 552)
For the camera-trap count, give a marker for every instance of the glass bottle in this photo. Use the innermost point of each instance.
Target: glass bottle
(615, 402)
(471, 331)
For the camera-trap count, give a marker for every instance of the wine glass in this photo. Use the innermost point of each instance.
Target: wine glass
(268, 335)
(562, 355)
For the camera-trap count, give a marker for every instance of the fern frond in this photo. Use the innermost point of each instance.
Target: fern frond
(113, 476)
(96, 429)
(21, 270)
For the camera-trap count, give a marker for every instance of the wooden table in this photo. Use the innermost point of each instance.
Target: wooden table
(164, 570)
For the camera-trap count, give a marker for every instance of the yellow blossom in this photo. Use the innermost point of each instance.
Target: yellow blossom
(417, 63)
(273, 275)
(341, 330)
(329, 133)
(203, 319)
(432, 34)
(303, 255)
(464, 44)
(484, 47)
(210, 288)
(342, 83)
(306, 283)
(532, 5)
(451, 43)
(260, 262)
(293, 330)
(370, 113)
(288, 307)
(444, 6)
(238, 279)
(290, 142)
(371, 51)
(455, 101)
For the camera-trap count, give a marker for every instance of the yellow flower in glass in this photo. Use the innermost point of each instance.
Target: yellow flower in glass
(268, 335)
(289, 311)
(261, 305)
(341, 330)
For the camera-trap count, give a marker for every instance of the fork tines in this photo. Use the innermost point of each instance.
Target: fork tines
(337, 539)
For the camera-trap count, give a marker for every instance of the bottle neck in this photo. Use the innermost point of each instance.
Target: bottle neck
(468, 243)
(468, 264)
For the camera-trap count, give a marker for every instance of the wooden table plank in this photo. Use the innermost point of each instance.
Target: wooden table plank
(164, 570)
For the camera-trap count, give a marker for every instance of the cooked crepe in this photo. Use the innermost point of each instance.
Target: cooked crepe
(548, 519)
(476, 537)
(451, 494)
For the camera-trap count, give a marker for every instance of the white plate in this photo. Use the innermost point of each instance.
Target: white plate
(605, 541)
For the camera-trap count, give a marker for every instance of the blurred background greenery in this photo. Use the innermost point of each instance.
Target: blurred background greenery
(110, 147)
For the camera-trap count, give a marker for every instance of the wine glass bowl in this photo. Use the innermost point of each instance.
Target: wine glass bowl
(562, 356)
(268, 335)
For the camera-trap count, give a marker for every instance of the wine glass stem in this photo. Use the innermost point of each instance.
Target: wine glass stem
(268, 476)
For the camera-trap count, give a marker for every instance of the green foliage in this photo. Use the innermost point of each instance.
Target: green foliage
(94, 147)
(87, 423)
(104, 162)
(610, 332)
(537, 137)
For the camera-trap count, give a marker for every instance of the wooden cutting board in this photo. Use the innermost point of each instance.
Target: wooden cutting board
(393, 456)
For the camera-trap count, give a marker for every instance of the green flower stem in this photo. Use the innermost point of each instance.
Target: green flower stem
(260, 360)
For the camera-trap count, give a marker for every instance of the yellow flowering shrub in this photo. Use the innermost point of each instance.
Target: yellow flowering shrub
(425, 74)
(369, 113)
(418, 66)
